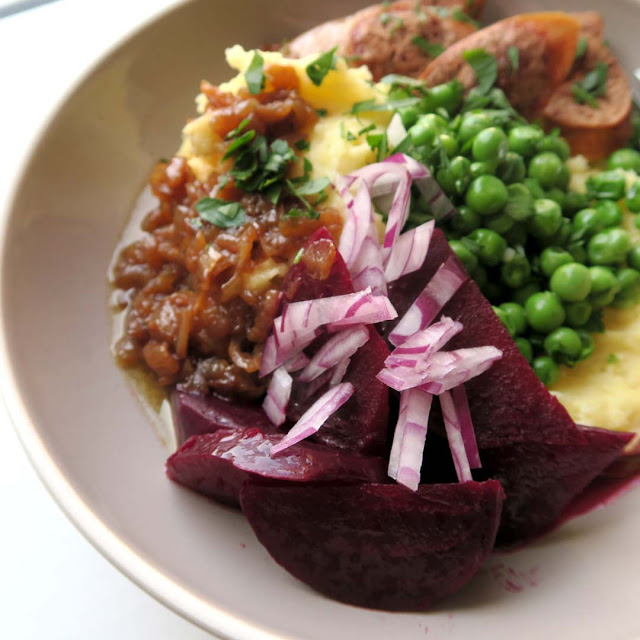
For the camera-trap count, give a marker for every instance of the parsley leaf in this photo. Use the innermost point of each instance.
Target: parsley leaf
(404, 81)
(581, 49)
(378, 142)
(372, 105)
(321, 113)
(432, 49)
(239, 142)
(318, 69)
(613, 359)
(312, 187)
(221, 213)
(513, 53)
(592, 86)
(485, 66)
(254, 74)
(302, 145)
(461, 16)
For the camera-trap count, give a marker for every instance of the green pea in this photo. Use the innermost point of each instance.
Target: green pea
(607, 185)
(520, 203)
(465, 220)
(512, 169)
(491, 246)
(571, 282)
(610, 213)
(632, 200)
(624, 159)
(448, 144)
(561, 236)
(535, 188)
(578, 252)
(629, 294)
(524, 139)
(506, 321)
(555, 144)
(409, 115)
(588, 345)
(575, 201)
(552, 258)
(587, 222)
(516, 236)
(609, 247)
(487, 195)
(446, 96)
(481, 169)
(564, 179)
(633, 257)
(515, 270)
(454, 178)
(516, 315)
(546, 370)
(544, 311)
(464, 253)
(421, 135)
(546, 219)
(490, 145)
(525, 348)
(500, 223)
(636, 222)
(602, 300)
(563, 345)
(602, 279)
(578, 313)
(546, 168)
(523, 293)
(472, 124)
(557, 195)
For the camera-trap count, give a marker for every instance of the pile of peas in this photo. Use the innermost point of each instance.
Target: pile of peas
(548, 258)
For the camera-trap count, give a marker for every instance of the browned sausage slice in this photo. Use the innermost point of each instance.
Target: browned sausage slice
(591, 23)
(383, 37)
(594, 131)
(546, 43)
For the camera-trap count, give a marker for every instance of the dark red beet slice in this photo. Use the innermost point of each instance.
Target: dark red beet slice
(379, 546)
(508, 403)
(217, 464)
(195, 414)
(361, 424)
(540, 479)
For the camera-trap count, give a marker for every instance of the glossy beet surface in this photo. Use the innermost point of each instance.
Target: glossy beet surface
(195, 414)
(218, 464)
(373, 545)
(361, 424)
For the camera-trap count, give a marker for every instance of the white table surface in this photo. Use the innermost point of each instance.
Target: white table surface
(53, 584)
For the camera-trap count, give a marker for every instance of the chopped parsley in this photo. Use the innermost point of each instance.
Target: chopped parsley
(321, 112)
(513, 53)
(432, 49)
(298, 256)
(461, 16)
(378, 142)
(254, 75)
(613, 359)
(592, 86)
(372, 105)
(403, 81)
(385, 18)
(302, 145)
(485, 66)
(221, 213)
(581, 49)
(320, 67)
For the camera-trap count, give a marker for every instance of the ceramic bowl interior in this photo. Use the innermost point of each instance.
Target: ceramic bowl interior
(92, 440)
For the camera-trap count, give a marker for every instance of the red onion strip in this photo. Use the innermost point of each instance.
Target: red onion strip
(340, 346)
(299, 361)
(356, 226)
(317, 414)
(409, 252)
(280, 349)
(339, 372)
(277, 398)
(461, 404)
(440, 289)
(454, 435)
(399, 212)
(396, 132)
(367, 270)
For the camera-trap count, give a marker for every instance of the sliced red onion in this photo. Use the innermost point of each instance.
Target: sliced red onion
(278, 394)
(399, 212)
(339, 372)
(367, 270)
(340, 346)
(280, 349)
(380, 178)
(461, 405)
(454, 435)
(316, 415)
(440, 289)
(299, 361)
(422, 344)
(396, 132)
(356, 226)
(442, 370)
(405, 459)
(409, 252)
(416, 169)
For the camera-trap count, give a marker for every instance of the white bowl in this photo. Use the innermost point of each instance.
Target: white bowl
(90, 438)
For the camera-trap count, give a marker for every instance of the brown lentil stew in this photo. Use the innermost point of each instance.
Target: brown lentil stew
(201, 299)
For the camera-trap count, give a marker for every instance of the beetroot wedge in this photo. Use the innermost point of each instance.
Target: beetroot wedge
(361, 424)
(378, 546)
(541, 480)
(218, 464)
(195, 414)
(508, 403)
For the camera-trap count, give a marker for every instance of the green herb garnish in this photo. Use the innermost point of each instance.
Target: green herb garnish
(385, 18)
(318, 69)
(613, 359)
(461, 16)
(513, 53)
(432, 49)
(321, 112)
(378, 142)
(372, 105)
(302, 145)
(254, 75)
(221, 213)
(298, 256)
(485, 66)
(581, 49)
(592, 86)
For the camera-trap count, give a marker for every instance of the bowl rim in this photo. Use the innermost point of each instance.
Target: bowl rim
(153, 581)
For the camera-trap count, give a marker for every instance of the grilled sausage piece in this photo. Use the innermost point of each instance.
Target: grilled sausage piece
(546, 43)
(591, 24)
(594, 131)
(383, 37)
